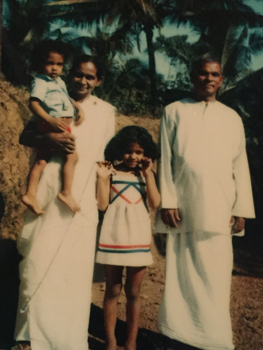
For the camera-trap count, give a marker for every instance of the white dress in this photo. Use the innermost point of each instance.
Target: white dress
(204, 172)
(58, 247)
(125, 238)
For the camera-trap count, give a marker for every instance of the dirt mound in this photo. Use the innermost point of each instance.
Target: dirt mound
(13, 157)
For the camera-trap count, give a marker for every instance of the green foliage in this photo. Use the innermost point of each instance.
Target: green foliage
(127, 86)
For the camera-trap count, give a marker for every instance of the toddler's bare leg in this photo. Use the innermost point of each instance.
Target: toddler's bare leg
(30, 199)
(68, 174)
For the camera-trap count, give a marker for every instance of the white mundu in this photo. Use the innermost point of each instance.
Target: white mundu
(58, 247)
(204, 172)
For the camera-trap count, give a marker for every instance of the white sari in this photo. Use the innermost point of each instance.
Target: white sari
(58, 247)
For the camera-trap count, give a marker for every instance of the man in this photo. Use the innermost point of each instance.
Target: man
(205, 190)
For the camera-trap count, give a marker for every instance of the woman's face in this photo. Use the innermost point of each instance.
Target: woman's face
(85, 80)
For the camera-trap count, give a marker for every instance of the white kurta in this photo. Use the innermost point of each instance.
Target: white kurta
(203, 169)
(58, 247)
(204, 172)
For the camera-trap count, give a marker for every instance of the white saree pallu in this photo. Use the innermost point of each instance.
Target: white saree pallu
(195, 308)
(58, 247)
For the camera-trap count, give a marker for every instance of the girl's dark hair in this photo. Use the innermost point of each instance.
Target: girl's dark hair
(85, 59)
(42, 50)
(119, 144)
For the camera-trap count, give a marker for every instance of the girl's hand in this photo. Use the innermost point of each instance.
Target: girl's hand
(105, 170)
(58, 124)
(79, 117)
(147, 165)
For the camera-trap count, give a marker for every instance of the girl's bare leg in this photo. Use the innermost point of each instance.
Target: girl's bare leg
(30, 198)
(133, 284)
(113, 289)
(68, 174)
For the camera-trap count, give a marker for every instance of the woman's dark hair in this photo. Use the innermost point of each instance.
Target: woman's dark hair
(42, 50)
(85, 59)
(119, 144)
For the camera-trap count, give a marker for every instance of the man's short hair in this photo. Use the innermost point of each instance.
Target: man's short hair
(198, 64)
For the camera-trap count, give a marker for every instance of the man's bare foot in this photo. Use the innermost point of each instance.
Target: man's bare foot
(69, 201)
(32, 204)
(24, 345)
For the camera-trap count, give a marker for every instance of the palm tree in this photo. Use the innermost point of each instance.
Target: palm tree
(26, 25)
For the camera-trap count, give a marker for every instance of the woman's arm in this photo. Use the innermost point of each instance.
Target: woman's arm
(153, 195)
(104, 171)
(80, 114)
(32, 137)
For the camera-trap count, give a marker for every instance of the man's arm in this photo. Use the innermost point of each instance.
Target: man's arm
(32, 137)
(243, 206)
(169, 212)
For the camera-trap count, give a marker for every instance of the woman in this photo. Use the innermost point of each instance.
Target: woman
(58, 247)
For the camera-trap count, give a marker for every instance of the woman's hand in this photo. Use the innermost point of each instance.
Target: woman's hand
(80, 114)
(58, 124)
(80, 117)
(147, 165)
(64, 141)
(105, 170)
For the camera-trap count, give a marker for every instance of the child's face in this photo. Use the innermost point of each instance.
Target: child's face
(133, 155)
(53, 66)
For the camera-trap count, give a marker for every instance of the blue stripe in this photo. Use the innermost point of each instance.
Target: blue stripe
(124, 251)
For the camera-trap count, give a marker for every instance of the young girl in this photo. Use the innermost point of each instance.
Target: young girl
(125, 190)
(54, 111)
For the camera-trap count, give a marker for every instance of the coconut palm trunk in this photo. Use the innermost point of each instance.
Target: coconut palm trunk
(152, 65)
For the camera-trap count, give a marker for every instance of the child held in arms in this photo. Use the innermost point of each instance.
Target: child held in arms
(53, 111)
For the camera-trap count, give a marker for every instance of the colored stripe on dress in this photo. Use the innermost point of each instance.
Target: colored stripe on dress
(129, 184)
(124, 248)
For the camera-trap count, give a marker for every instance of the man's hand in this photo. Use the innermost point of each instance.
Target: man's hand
(170, 217)
(64, 141)
(237, 223)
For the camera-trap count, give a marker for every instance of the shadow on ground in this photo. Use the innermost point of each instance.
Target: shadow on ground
(147, 340)
(9, 284)
(248, 258)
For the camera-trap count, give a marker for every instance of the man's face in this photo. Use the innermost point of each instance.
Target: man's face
(85, 79)
(208, 80)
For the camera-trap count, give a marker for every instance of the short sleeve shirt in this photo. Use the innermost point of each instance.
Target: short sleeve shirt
(53, 95)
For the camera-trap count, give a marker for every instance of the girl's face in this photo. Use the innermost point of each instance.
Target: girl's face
(53, 66)
(133, 155)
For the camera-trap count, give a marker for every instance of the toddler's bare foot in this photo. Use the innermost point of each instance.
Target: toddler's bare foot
(70, 202)
(32, 204)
